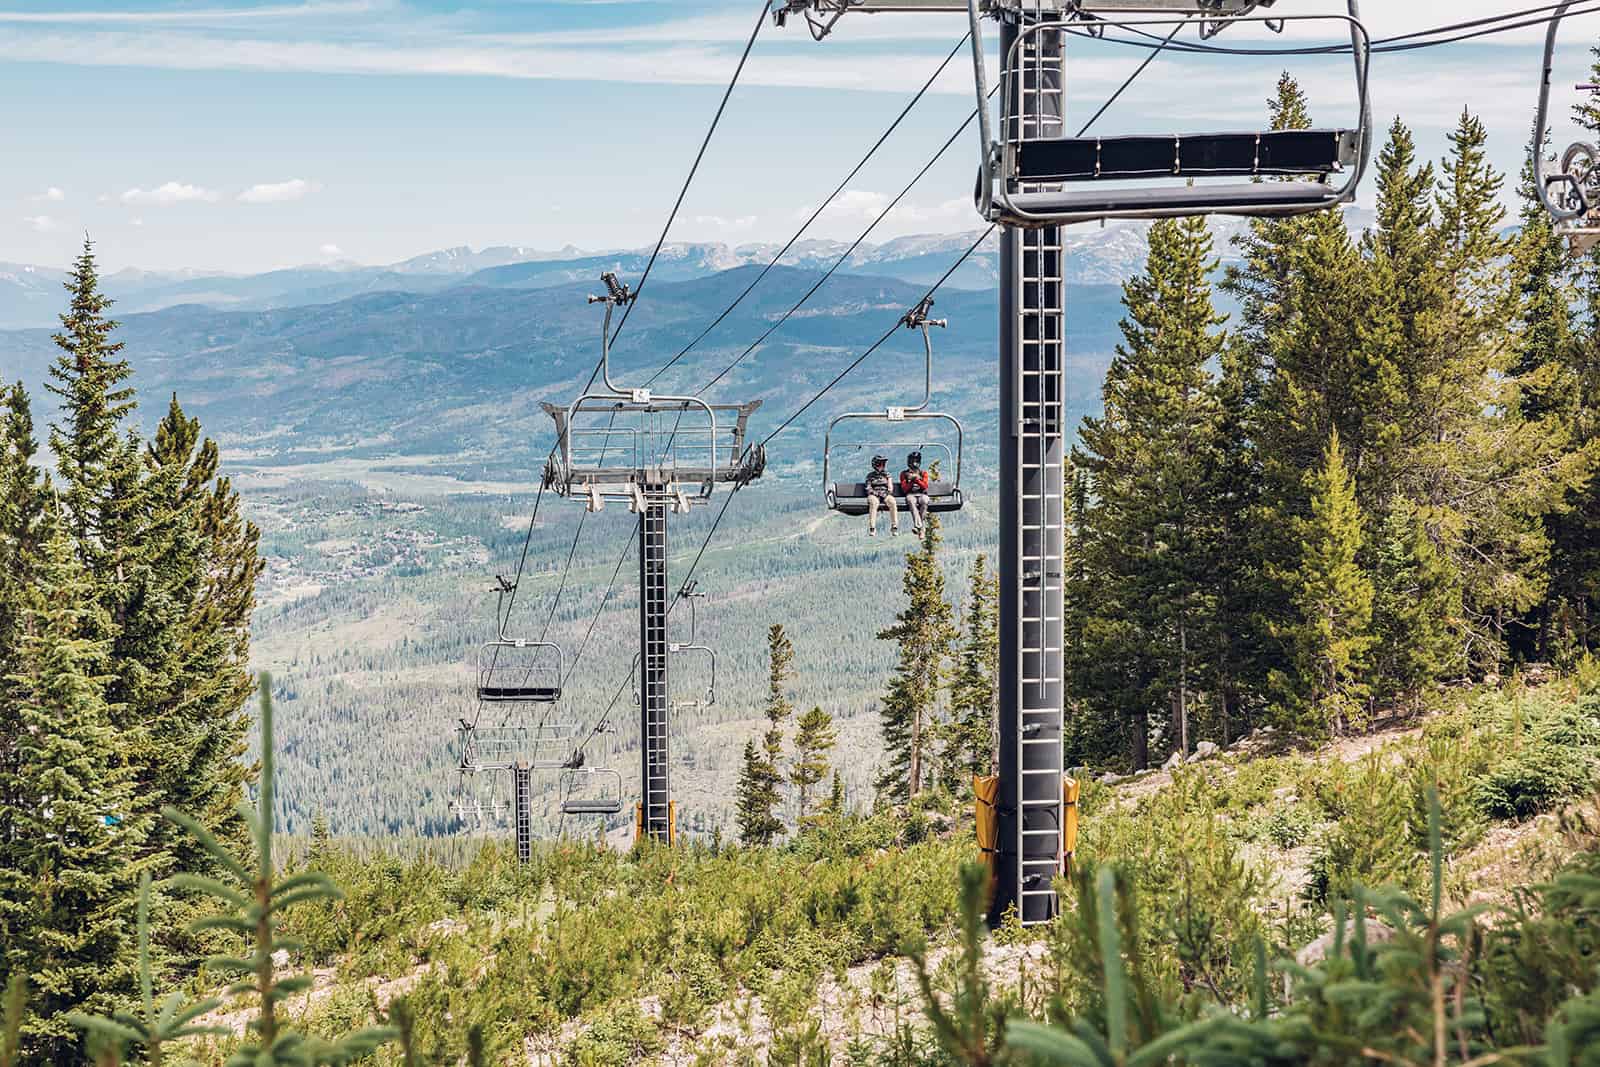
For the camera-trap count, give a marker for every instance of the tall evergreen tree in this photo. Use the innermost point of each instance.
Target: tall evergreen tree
(924, 630)
(1333, 596)
(88, 376)
(1150, 457)
(23, 498)
(753, 800)
(66, 868)
(1416, 610)
(814, 739)
(973, 737)
(761, 779)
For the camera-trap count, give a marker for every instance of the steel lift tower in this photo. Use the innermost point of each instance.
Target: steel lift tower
(658, 455)
(1034, 179)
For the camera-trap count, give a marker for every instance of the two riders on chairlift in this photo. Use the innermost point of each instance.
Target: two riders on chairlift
(914, 484)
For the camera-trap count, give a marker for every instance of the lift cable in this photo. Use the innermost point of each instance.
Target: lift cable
(699, 156)
(728, 499)
(826, 203)
(848, 252)
(1417, 40)
(1114, 97)
(733, 82)
(610, 587)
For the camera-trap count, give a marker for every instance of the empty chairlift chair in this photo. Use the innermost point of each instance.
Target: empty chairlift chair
(1572, 196)
(1034, 177)
(591, 791)
(515, 670)
(633, 446)
(944, 494)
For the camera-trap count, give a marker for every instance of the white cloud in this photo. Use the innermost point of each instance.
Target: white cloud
(170, 193)
(718, 222)
(278, 192)
(41, 223)
(51, 195)
(329, 251)
(195, 15)
(136, 221)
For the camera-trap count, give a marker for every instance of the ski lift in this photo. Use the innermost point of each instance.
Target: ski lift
(516, 670)
(1035, 178)
(944, 495)
(1571, 197)
(633, 446)
(591, 791)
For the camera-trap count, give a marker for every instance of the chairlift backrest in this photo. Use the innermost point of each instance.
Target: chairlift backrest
(1033, 178)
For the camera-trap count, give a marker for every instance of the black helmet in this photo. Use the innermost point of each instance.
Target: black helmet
(914, 459)
(878, 461)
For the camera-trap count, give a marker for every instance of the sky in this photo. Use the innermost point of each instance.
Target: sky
(247, 135)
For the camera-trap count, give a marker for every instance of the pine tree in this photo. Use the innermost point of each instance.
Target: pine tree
(1150, 457)
(1334, 599)
(22, 529)
(87, 376)
(761, 779)
(924, 630)
(174, 567)
(815, 737)
(972, 740)
(66, 879)
(1416, 609)
(753, 803)
(834, 807)
(1488, 476)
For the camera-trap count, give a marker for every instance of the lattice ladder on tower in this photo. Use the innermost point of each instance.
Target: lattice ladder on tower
(654, 688)
(1038, 545)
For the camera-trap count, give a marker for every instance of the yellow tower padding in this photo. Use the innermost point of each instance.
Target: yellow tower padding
(672, 822)
(986, 790)
(1070, 788)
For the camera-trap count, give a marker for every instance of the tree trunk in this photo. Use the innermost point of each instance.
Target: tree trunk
(1183, 688)
(1140, 725)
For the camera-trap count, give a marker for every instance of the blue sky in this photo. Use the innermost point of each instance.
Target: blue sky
(251, 134)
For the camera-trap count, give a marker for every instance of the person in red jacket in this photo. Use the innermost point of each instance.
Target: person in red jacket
(914, 483)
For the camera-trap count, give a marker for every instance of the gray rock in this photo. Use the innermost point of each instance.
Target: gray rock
(1112, 778)
(1204, 750)
(1172, 761)
(1317, 951)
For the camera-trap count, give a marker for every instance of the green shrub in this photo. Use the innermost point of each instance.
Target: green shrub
(617, 1037)
(1534, 780)
(1288, 825)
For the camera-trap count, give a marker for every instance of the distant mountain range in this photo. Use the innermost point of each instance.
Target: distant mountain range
(30, 295)
(459, 371)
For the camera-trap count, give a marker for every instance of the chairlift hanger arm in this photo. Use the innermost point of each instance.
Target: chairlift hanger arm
(1577, 203)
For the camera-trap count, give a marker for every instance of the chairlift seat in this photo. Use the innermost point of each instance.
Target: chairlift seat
(525, 694)
(1211, 155)
(850, 498)
(591, 807)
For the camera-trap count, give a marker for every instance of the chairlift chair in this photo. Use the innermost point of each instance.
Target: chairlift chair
(591, 791)
(1572, 196)
(1033, 178)
(516, 670)
(944, 495)
(633, 446)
